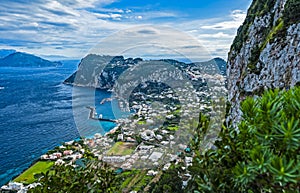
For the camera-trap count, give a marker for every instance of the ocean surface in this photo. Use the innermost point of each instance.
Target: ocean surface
(38, 112)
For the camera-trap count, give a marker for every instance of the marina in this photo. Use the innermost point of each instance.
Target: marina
(93, 113)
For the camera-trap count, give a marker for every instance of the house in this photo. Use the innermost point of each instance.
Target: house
(171, 137)
(69, 142)
(120, 137)
(155, 156)
(170, 116)
(188, 161)
(58, 155)
(114, 159)
(159, 137)
(129, 139)
(59, 162)
(52, 157)
(68, 152)
(147, 134)
(164, 143)
(166, 167)
(45, 157)
(97, 136)
(151, 173)
(13, 186)
(146, 147)
(144, 157)
(185, 179)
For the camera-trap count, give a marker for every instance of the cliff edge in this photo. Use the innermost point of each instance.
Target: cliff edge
(265, 53)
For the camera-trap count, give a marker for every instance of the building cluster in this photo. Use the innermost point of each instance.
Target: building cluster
(159, 130)
(65, 154)
(154, 126)
(17, 187)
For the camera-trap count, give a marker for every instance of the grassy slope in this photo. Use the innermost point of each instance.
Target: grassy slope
(27, 177)
(121, 148)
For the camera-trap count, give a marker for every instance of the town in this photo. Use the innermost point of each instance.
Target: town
(157, 134)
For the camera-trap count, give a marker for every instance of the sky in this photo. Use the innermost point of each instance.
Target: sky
(71, 28)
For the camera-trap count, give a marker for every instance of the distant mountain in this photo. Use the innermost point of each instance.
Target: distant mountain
(58, 57)
(214, 66)
(103, 71)
(6, 52)
(19, 59)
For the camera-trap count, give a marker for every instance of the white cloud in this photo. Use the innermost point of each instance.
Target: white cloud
(221, 35)
(108, 16)
(66, 24)
(237, 18)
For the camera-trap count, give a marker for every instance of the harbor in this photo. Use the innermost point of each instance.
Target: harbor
(93, 113)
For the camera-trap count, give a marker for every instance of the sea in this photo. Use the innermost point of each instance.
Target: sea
(39, 112)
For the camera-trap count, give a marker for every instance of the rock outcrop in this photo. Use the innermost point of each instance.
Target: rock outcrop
(265, 53)
(103, 71)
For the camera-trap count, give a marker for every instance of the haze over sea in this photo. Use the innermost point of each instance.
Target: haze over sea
(36, 114)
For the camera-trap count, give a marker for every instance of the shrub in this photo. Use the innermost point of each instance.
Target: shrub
(292, 12)
(261, 156)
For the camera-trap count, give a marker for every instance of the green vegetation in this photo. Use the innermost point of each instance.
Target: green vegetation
(95, 177)
(292, 12)
(121, 148)
(257, 8)
(142, 183)
(141, 122)
(28, 176)
(254, 58)
(172, 127)
(125, 178)
(169, 182)
(132, 180)
(136, 178)
(177, 112)
(115, 134)
(261, 156)
(274, 32)
(255, 52)
(260, 8)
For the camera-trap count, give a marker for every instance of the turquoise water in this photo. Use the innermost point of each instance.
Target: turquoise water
(36, 114)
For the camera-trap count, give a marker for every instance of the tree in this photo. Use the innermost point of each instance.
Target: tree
(169, 182)
(95, 177)
(261, 156)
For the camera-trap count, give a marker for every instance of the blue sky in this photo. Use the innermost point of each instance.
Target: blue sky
(72, 27)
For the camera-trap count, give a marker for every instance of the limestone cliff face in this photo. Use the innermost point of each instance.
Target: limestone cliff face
(265, 53)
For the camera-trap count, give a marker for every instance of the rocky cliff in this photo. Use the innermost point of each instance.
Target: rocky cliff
(103, 71)
(265, 53)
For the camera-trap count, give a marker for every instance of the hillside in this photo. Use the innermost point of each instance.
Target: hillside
(19, 59)
(105, 70)
(265, 52)
(6, 52)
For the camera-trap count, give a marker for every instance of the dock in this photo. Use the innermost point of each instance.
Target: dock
(106, 100)
(92, 116)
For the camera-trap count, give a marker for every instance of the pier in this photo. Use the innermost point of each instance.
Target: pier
(106, 100)
(92, 116)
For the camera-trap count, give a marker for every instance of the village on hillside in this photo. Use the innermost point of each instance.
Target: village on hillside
(154, 136)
